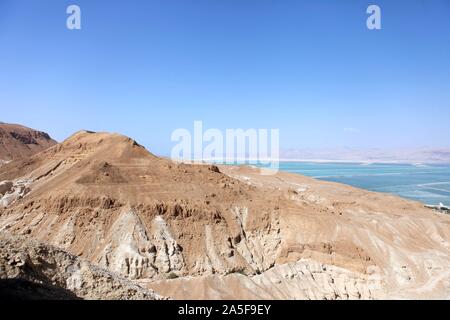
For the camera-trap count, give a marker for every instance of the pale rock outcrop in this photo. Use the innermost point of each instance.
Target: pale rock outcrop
(312, 280)
(137, 254)
(12, 191)
(31, 270)
(168, 253)
(128, 249)
(259, 247)
(305, 279)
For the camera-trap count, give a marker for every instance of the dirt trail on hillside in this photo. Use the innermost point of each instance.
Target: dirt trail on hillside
(201, 231)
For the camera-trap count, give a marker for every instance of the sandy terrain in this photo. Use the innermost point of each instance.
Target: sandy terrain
(202, 232)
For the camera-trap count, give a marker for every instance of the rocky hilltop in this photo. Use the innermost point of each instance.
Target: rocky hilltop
(17, 142)
(208, 232)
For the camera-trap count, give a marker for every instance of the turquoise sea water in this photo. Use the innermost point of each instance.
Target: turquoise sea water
(429, 184)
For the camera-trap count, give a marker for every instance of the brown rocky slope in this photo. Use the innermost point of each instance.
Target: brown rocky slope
(17, 142)
(194, 231)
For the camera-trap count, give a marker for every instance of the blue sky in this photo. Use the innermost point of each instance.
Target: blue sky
(310, 68)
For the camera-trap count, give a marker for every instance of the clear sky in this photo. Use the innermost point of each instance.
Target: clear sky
(310, 68)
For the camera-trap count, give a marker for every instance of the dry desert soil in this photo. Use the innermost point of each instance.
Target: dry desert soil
(137, 224)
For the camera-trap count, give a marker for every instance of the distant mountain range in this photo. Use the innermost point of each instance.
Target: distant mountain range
(402, 155)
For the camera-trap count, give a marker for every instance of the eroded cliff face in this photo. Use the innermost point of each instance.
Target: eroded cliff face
(154, 246)
(140, 254)
(305, 279)
(104, 197)
(229, 230)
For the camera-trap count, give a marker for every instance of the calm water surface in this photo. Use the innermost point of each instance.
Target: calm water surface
(429, 184)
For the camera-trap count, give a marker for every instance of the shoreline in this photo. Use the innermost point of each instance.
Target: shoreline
(249, 161)
(427, 204)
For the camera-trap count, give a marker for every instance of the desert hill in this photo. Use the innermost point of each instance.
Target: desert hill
(17, 141)
(33, 271)
(201, 231)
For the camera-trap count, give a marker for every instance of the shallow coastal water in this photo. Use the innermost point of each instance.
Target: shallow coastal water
(429, 184)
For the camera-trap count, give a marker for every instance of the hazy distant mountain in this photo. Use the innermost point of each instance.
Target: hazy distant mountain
(425, 155)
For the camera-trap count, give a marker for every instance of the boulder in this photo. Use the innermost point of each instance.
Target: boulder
(5, 187)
